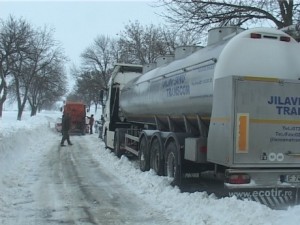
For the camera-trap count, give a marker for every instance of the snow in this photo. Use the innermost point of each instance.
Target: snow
(24, 142)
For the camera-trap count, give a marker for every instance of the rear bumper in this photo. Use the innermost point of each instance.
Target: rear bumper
(267, 186)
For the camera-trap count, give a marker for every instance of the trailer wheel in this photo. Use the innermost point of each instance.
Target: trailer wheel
(144, 158)
(156, 162)
(172, 167)
(117, 149)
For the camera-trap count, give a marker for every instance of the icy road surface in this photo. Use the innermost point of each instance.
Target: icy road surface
(65, 185)
(44, 184)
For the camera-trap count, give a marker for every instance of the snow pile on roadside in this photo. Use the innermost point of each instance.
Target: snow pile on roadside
(21, 151)
(9, 123)
(191, 208)
(23, 142)
(18, 138)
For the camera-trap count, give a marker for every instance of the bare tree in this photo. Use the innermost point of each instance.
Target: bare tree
(13, 39)
(143, 44)
(199, 15)
(99, 58)
(47, 87)
(41, 51)
(87, 88)
(140, 44)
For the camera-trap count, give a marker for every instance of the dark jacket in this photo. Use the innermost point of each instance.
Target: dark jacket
(66, 123)
(91, 120)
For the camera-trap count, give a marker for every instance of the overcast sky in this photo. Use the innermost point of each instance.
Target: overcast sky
(77, 23)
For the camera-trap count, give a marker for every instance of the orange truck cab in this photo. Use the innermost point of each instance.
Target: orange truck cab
(77, 112)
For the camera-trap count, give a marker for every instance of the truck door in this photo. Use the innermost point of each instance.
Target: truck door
(114, 106)
(267, 122)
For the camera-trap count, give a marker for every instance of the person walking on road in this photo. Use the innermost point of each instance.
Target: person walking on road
(91, 123)
(66, 125)
(101, 126)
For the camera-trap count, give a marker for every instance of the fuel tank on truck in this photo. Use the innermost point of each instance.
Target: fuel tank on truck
(186, 86)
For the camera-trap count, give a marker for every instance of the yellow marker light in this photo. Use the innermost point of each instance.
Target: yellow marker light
(242, 131)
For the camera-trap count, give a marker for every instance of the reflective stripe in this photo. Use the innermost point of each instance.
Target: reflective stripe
(265, 79)
(242, 132)
(270, 121)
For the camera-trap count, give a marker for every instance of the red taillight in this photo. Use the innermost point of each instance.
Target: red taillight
(238, 179)
(255, 35)
(203, 149)
(285, 38)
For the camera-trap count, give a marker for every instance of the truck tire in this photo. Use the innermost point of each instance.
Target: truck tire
(117, 149)
(157, 161)
(172, 167)
(144, 156)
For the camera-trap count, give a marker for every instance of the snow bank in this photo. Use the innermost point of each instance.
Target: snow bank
(191, 208)
(24, 139)
(18, 138)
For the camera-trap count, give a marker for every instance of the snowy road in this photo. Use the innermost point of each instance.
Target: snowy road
(67, 186)
(44, 184)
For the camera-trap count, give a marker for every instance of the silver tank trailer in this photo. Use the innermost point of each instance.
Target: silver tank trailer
(186, 86)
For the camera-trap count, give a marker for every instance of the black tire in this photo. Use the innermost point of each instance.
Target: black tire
(172, 167)
(144, 157)
(157, 161)
(117, 149)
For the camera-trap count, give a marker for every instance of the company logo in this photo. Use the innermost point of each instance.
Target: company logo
(176, 86)
(262, 193)
(285, 105)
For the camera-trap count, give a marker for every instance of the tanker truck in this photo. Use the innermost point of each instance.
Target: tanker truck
(229, 111)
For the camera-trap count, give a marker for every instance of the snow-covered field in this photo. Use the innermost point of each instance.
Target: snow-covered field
(22, 143)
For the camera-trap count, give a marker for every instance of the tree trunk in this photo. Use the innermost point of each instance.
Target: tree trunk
(19, 117)
(3, 90)
(21, 106)
(33, 110)
(1, 109)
